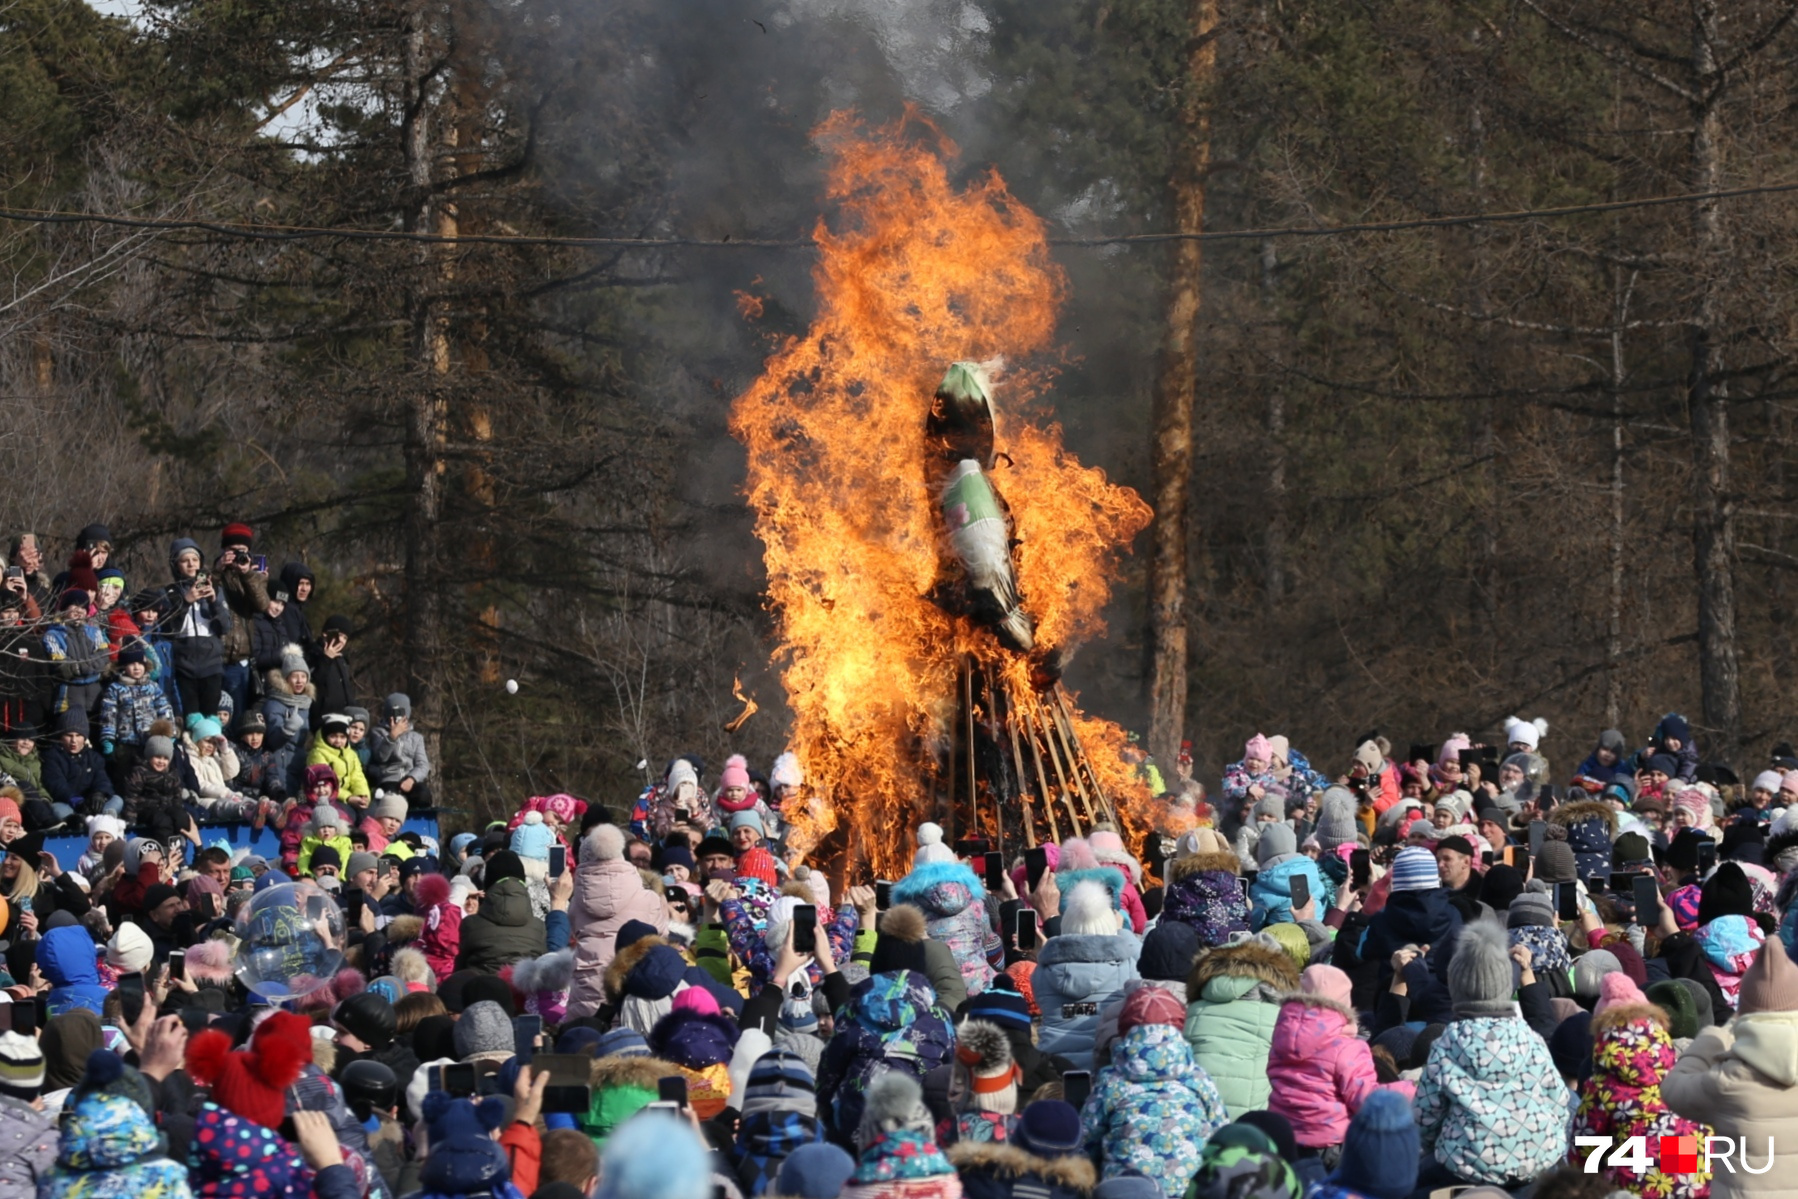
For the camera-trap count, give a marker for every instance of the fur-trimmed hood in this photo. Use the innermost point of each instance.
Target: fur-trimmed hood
(939, 889)
(1567, 815)
(402, 930)
(1199, 863)
(1009, 1162)
(276, 684)
(1247, 959)
(622, 963)
(1630, 1013)
(642, 1073)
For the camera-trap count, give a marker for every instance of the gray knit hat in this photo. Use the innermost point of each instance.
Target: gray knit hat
(1277, 841)
(1530, 908)
(484, 1028)
(1272, 804)
(391, 805)
(1336, 819)
(1480, 971)
(1555, 864)
(1589, 970)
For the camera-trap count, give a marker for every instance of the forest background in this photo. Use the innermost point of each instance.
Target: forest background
(1432, 476)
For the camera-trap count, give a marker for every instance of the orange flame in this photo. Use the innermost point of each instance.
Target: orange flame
(916, 274)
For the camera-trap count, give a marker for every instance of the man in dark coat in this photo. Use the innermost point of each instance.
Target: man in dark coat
(504, 930)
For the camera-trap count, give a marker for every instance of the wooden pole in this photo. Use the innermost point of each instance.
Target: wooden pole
(1067, 796)
(1042, 777)
(967, 742)
(1067, 719)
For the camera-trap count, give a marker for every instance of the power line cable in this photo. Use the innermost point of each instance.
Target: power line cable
(256, 232)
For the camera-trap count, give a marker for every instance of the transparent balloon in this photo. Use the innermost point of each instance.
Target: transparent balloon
(290, 941)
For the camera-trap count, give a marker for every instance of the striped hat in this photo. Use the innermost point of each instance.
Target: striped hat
(619, 1042)
(21, 1067)
(780, 1081)
(1008, 1009)
(1415, 870)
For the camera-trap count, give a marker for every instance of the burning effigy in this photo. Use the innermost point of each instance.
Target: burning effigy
(934, 557)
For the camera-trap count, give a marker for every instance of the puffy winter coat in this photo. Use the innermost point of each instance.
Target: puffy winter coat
(66, 956)
(954, 905)
(392, 759)
(1490, 1105)
(129, 709)
(642, 981)
(502, 931)
(1320, 1069)
(1631, 1054)
(28, 1142)
(1074, 977)
(1742, 1080)
(69, 778)
(110, 1148)
(1411, 918)
(213, 772)
(606, 895)
(1000, 1170)
(1152, 1109)
(1233, 1002)
(1590, 827)
(345, 762)
(1205, 892)
(891, 1022)
(440, 939)
(1729, 944)
(1270, 896)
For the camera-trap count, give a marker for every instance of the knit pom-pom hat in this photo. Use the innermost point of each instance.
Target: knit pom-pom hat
(253, 1082)
(1088, 911)
(985, 1067)
(463, 1158)
(930, 845)
(1617, 989)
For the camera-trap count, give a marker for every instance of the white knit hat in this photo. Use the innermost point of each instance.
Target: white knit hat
(130, 950)
(1525, 732)
(930, 845)
(1087, 911)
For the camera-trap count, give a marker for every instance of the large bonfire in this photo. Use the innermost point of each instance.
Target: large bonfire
(914, 274)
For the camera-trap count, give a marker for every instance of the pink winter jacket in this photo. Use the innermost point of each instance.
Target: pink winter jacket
(606, 895)
(441, 939)
(1320, 1070)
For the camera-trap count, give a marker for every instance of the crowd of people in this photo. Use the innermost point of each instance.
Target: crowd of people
(1452, 969)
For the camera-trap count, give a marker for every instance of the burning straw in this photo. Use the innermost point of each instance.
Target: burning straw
(914, 274)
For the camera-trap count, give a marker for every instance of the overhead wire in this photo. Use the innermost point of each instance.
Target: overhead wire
(271, 232)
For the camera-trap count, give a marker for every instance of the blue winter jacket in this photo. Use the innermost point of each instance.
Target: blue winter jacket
(1074, 977)
(1270, 895)
(67, 958)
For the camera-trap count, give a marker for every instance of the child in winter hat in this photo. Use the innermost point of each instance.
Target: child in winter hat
(1379, 1153)
(253, 1082)
(460, 1155)
(930, 845)
(1414, 869)
(779, 1114)
(1491, 1106)
(983, 1086)
(899, 1157)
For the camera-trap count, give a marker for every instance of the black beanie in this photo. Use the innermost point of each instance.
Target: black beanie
(1682, 851)
(504, 864)
(1502, 884)
(1726, 893)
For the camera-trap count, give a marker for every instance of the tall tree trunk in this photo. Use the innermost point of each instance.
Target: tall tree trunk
(1713, 515)
(1276, 449)
(427, 407)
(1613, 699)
(1171, 439)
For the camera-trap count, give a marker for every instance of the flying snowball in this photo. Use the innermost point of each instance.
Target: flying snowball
(511, 686)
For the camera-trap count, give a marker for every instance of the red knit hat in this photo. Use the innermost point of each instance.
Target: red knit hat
(1151, 1005)
(252, 1083)
(237, 534)
(757, 862)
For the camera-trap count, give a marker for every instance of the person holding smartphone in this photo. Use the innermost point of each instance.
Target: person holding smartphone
(397, 758)
(198, 620)
(245, 591)
(331, 669)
